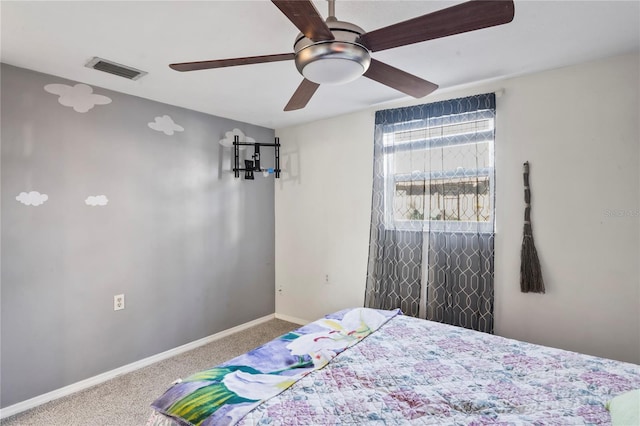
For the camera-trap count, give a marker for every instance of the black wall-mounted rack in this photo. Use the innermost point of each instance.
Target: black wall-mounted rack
(251, 166)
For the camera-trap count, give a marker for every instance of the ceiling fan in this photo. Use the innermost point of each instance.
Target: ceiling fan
(336, 52)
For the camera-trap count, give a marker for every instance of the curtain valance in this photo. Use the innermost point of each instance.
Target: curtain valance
(437, 109)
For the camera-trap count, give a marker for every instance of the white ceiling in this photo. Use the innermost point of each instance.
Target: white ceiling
(60, 37)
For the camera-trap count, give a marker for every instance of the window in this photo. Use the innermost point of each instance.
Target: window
(453, 199)
(432, 212)
(439, 172)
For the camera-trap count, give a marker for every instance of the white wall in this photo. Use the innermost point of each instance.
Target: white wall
(578, 128)
(323, 213)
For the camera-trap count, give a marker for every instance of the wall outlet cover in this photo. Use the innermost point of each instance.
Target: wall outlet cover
(118, 302)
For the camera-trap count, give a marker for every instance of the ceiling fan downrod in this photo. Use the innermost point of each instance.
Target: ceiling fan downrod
(332, 9)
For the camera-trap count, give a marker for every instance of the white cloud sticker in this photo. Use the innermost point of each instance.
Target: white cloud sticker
(96, 200)
(79, 97)
(33, 198)
(228, 138)
(166, 125)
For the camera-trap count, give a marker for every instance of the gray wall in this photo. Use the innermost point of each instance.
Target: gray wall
(190, 246)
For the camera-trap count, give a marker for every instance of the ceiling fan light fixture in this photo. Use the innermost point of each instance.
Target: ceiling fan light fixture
(333, 62)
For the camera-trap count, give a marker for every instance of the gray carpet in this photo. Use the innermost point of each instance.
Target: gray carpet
(125, 400)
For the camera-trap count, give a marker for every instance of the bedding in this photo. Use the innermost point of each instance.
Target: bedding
(365, 366)
(625, 408)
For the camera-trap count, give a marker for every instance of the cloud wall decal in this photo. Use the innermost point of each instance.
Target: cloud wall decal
(33, 198)
(79, 97)
(228, 138)
(166, 125)
(96, 200)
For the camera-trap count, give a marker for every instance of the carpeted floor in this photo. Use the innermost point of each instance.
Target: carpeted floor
(125, 400)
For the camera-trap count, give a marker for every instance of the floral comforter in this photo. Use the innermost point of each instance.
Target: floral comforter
(224, 394)
(413, 371)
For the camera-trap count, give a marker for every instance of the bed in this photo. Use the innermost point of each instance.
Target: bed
(365, 366)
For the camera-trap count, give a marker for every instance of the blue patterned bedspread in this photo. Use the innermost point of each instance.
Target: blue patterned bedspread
(419, 372)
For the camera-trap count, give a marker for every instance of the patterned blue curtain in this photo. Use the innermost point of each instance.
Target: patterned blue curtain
(432, 222)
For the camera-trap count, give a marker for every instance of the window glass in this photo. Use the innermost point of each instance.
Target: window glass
(440, 174)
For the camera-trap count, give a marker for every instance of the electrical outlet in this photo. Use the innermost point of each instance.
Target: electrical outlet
(118, 302)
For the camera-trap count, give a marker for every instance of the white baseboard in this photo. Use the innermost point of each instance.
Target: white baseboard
(292, 319)
(100, 378)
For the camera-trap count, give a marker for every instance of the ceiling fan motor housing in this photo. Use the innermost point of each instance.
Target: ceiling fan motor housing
(335, 61)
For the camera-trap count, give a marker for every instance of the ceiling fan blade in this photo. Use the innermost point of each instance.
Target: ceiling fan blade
(399, 80)
(304, 15)
(221, 63)
(301, 96)
(461, 18)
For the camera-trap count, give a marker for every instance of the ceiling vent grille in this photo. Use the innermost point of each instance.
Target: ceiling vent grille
(115, 68)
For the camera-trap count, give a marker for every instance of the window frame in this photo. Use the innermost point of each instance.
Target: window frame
(434, 142)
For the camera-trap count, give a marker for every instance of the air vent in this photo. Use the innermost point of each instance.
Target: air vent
(115, 68)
